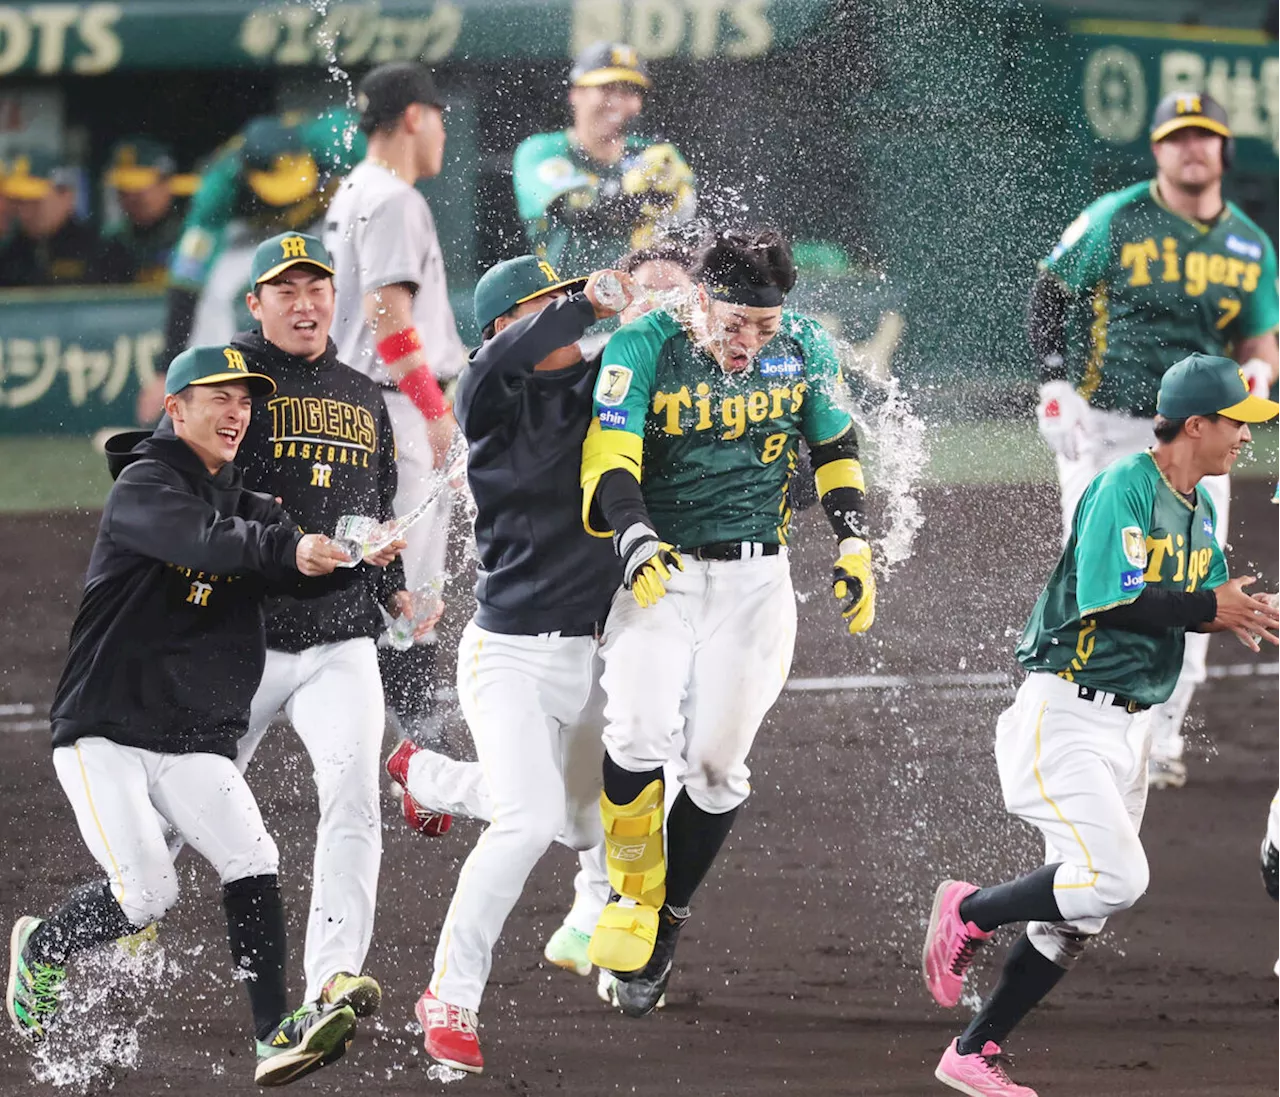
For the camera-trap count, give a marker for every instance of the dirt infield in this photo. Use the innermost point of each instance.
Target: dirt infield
(799, 972)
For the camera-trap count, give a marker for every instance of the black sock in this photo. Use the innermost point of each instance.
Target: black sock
(89, 917)
(255, 928)
(622, 786)
(1029, 898)
(694, 838)
(1027, 977)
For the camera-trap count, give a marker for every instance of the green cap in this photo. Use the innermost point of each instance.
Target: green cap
(213, 366)
(513, 282)
(34, 174)
(138, 163)
(1204, 384)
(290, 249)
(279, 167)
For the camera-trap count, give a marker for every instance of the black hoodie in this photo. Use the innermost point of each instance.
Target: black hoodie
(168, 645)
(322, 444)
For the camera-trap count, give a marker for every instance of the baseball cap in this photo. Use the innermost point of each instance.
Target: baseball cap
(1204, 384)
(34, 174)
(137, 163)
(278, 166)
(515, 281)
(609, 63)
(389, 90)
(1186, 109)
(289, 249)
(212, 366)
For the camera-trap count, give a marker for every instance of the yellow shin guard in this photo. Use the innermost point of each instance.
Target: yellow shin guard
(624, 936)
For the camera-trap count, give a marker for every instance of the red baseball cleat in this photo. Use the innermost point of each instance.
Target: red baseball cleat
(449, 1033)
(419, 818)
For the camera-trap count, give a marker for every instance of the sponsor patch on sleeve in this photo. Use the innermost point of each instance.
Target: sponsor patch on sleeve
(1243, 247)
(614, 418)
(613, 385)
(1131, 580)
(1207, 526)
(789, 366)
(1135, 546)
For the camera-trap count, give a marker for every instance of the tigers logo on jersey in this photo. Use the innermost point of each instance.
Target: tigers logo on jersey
(1135, 546)
(614, 383)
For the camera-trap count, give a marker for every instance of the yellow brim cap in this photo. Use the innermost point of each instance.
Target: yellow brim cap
(280, 268)
(572, 284)
(25, 186)
(133, 179)
(291, 180)
(1252, 409)
(265, 389)
(1191, 121)
(598, 77)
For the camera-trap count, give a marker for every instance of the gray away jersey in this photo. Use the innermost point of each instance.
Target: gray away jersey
(379, 231)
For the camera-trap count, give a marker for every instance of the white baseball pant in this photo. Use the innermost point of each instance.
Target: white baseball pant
(1077, 771)
(533, 704)
(332, 694)
(709, 658)
(424, 558)
(116, 793)
(1110, 435)
(442, 783)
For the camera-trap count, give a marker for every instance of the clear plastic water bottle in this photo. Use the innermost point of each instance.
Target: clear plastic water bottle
(610, 292)
(426, 602)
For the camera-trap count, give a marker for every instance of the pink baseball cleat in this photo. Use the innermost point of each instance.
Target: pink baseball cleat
(950, 944)
(979, 1075)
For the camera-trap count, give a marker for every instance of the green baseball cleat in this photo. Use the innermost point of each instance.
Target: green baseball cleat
(32, 994)
(360, 992)
(308, 1039)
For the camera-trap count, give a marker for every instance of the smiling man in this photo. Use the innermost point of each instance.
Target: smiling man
(1142, 568)
(1162, 269)
(166, 646)
(323, 444)
(712, 406)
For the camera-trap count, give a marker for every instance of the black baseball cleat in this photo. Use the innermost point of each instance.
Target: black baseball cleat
(638, 992)
(1271, 868)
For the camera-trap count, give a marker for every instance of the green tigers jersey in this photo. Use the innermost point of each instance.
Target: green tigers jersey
(575, 213)
(1160, 286)
(1131, 530)
(224, 196)
(719, 449)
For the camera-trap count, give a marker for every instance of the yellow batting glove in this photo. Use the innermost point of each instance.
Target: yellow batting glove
(646, 564)
(660, 169)
(854, 585)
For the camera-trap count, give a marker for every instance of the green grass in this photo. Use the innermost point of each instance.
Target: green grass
(65, 472)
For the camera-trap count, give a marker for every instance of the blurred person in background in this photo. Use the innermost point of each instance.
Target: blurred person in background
(49, 245)
(277, 174)
(142, 175)
(591, 192)
(393, 323)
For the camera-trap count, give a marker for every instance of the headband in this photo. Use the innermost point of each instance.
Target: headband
(741, 292)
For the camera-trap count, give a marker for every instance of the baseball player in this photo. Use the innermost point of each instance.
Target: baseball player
(437, 787)
(276, 174)
(167, 640)
(1162, 269)
(323, 444)
(394, 324)
(592, 192)
(701, 635)
(1142, 568)
(528, 663)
